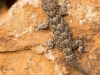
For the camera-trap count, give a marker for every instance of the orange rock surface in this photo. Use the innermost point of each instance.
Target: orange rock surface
(21, 50)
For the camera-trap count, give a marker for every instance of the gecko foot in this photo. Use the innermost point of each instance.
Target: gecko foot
(49, 44)
(78, 44)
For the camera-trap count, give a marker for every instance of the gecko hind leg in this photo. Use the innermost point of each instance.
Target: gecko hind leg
(78, 44)
(49, 44)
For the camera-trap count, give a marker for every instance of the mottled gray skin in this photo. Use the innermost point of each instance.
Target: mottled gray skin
(61, 32)
(2, 3)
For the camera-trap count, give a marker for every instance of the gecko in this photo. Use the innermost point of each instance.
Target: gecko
(2, 3)
(62, 35)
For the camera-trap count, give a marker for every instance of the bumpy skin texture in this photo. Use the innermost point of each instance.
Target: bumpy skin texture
(61, 32)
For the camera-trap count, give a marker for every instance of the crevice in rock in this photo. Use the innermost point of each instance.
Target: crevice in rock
(5, 5)
(9, 3)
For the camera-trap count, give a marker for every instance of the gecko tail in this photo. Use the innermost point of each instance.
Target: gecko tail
(75, 65)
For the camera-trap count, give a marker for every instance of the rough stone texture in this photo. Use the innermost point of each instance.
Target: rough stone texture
(21, 50)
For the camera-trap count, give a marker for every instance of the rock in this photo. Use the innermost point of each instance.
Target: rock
(20, 46)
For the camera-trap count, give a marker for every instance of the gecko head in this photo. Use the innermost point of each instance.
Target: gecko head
(49, 7)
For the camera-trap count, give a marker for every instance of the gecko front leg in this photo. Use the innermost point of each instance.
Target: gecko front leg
(63, 7)
(42, 26)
